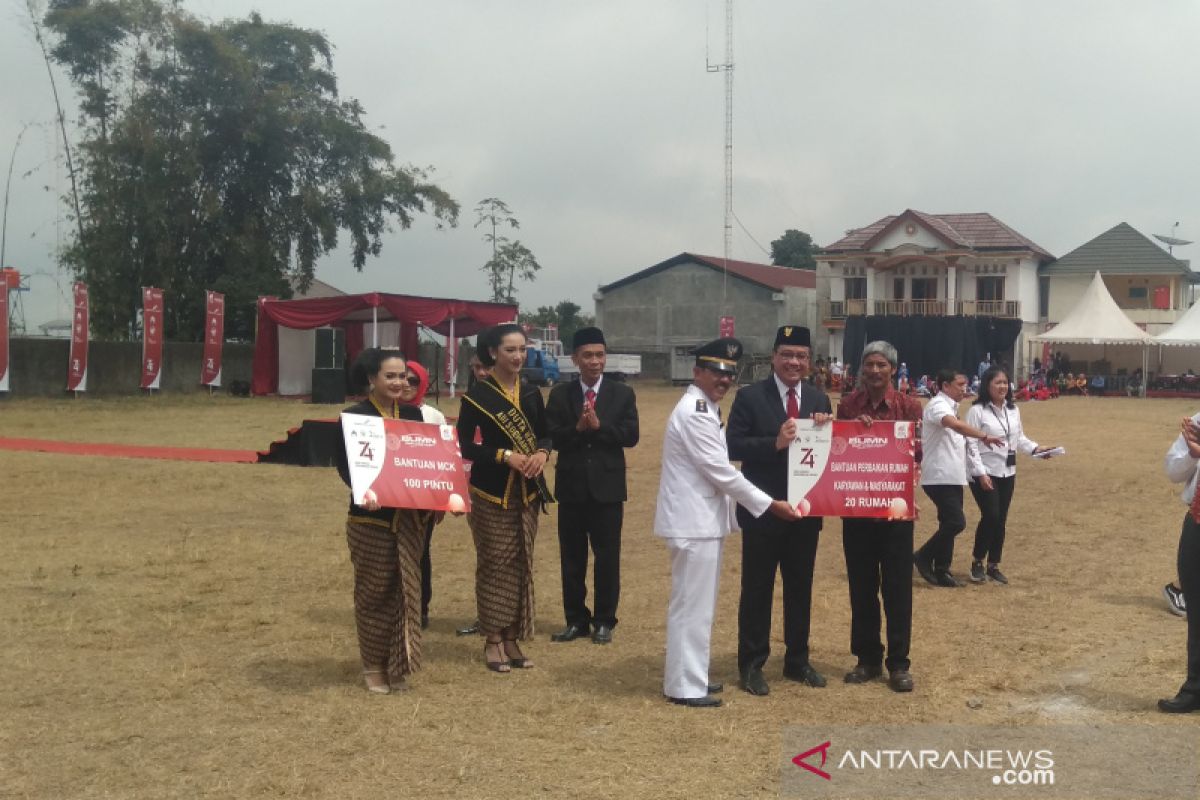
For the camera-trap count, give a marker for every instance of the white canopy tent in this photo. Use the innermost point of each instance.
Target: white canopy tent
(1097, 320)
(1178, 339)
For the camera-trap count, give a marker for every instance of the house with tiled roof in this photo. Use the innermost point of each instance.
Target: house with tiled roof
(915, 266)
(1149, 284)
(678, 303)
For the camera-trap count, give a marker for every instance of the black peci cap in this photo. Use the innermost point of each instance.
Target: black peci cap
(793, 335)
(586, 336)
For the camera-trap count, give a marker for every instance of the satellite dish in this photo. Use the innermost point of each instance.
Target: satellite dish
(1171, 241)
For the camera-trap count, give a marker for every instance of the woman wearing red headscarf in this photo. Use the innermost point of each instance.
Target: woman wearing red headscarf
(412, 393)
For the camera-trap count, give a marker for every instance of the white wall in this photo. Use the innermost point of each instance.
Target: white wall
(1065, 293)
(922, 238)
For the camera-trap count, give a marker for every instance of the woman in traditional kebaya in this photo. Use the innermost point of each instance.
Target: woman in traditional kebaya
(385, 543)
(507, 492)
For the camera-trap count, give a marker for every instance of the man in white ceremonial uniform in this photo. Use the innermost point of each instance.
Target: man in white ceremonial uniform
(696, 500)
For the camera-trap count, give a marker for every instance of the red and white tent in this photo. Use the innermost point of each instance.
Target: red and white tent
(373, 319)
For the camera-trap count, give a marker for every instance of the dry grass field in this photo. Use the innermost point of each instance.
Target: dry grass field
(178, 629)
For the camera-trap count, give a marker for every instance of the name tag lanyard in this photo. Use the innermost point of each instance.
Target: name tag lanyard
(1012, 456)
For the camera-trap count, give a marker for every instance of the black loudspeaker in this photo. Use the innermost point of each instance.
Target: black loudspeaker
(331, 348)
(329, 385)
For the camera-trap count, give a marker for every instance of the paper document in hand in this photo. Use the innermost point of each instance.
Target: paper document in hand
(847, 469)
(1053, 451)
(403, 464)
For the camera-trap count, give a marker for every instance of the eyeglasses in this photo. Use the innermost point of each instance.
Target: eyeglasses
(413, 380)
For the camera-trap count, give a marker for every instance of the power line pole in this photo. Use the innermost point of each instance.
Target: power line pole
(727, 68)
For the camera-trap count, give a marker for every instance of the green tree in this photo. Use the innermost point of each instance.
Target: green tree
(218, 156)
(510, 259)
(794, 249)
(565, 316)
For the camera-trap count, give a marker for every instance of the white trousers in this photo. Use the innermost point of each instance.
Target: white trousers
(695, 573)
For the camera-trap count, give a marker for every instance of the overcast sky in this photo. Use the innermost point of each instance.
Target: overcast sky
(600, 127)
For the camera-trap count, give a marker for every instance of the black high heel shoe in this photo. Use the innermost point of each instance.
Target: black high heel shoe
(500, 664)
(518, 661)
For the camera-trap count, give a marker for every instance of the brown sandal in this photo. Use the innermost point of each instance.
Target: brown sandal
(500, 664)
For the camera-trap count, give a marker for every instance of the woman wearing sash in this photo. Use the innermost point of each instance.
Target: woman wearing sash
(507, 491)
(385, 543)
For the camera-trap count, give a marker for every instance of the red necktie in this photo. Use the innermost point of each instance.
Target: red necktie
(590, 394)
(793, 408)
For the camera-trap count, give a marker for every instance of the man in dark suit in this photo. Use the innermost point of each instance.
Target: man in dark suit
(762, 425)
(591, 421)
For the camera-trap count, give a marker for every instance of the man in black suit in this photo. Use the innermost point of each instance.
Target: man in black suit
(762, 425)
(591, 421)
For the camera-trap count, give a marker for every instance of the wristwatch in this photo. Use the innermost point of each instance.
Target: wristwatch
(507, 455)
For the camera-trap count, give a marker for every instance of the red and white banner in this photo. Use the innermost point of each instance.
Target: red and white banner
(77, 365)
(4, 288)
(403, 464)
(214, 338)
(845, 469)
(152, 337)
(725, 327)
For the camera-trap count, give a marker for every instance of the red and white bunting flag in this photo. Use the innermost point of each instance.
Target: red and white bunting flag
(77, 365)
(4, 333)
(152, 337)
(214, 338)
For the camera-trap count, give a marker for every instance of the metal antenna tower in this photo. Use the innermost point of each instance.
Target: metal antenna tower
(727, 68)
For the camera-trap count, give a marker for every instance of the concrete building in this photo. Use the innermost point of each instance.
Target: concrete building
(678, 303)
(1150, 285)
(919, 265)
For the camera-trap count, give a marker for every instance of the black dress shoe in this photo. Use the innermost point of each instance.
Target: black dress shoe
(944, 578)
(1182, 703)
(754, 683)
(602, 634)
(863, 673)
(924, 568)
(806, 674)
(708, 701)
(424, 620)
(571, 633)
(716, 688)
(900, 680)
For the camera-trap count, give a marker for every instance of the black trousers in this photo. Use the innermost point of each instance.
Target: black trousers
(770, 544)
(949, 501)
(597, 524)
(879, 558)
(993, 516)
(426, 571)
(1188, 565)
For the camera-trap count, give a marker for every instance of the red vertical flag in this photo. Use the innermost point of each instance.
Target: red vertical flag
(4, 288)
(152, 337)
(77, 365)
(214, 338)
(725, 327)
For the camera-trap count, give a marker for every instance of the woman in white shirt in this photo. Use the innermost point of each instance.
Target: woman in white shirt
(944, 473)
(1181, 466)
(416, 383)
(994, 469)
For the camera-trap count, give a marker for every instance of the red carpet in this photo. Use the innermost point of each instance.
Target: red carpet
(129, 450)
